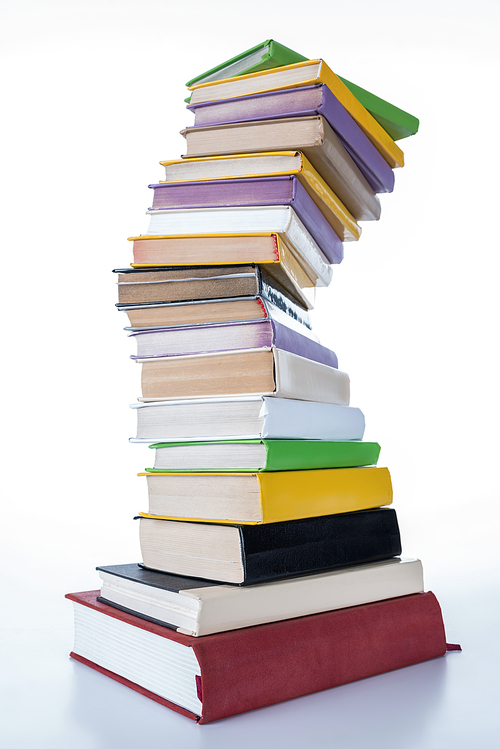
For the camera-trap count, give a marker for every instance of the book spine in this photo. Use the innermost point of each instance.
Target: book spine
(295, 419)
(317, 225)
(298, 547)
(369, 161)
(292, 455)
(274, 293)
(289, 340)
(320, 652)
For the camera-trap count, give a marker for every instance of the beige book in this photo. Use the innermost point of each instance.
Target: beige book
(258, 371)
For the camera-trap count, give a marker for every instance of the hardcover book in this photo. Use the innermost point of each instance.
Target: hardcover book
(243, 554)
(268, 54)
(311, 72)
(267, 497)
(251, 372)
(251, 417)
(237, 336)
(262, 455)
(304, 102)
(198, 607)
(319, 218)
(219, 675)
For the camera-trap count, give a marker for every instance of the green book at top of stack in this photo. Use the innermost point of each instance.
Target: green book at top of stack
(261, 455)
(264, 56)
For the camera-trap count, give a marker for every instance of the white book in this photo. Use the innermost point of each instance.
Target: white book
(196, 607)
(251, 417)
(246, 220)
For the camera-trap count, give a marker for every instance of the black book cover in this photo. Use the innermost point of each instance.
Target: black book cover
(300, 547)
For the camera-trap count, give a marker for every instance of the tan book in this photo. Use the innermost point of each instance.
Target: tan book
(268, 371)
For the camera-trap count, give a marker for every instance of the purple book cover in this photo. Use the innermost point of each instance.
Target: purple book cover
(253, 191)
(301, 102)
(240, 336)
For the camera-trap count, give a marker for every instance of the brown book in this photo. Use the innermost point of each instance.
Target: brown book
(258, 371)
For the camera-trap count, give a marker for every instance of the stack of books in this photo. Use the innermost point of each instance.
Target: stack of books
(270, 553)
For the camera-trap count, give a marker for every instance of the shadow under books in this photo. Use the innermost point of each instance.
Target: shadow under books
(122, 718)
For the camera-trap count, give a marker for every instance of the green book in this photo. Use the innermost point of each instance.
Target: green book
(398, 123)
(240, 456)
(269, 54)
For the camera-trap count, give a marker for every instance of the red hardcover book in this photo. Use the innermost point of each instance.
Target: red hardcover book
(232, 672)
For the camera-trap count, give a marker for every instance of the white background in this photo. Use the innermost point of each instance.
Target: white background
(92, 101)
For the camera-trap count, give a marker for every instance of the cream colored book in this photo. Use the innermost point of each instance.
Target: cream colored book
(266, 371)
(199, 607)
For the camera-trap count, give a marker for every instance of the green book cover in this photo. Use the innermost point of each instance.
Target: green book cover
(287, 455)
(269, 54)
(398, 123)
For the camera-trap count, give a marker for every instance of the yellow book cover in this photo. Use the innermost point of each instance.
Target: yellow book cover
(307, 73)
(271, 497)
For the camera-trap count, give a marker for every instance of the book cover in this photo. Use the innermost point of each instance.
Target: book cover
(245, 669)
(395, 121)
(277, 455)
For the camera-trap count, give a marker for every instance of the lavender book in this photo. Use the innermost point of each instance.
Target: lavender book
(284, 190)
(240, 336)
(300, 102)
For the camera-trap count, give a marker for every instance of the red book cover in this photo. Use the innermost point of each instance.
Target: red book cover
(245, 669)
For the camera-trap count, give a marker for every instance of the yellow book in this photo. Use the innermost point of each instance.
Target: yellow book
(271, 164)
(270, 251)
(311, 72)
(272, 497)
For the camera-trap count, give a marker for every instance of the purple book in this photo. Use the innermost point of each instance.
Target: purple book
(256, 191)
(202, 339)
(301, 102)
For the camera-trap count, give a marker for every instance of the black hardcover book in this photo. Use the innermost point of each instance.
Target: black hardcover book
(244, 554)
